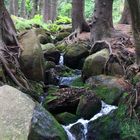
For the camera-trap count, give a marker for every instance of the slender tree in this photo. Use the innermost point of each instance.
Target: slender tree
(134, 6)
(53, 10)
(35, 7)
(102, 24)
(11, 7)
(40, 3)
(23, 9)
(16, 6)
(46, 11)
(78, 20)
(126, 17)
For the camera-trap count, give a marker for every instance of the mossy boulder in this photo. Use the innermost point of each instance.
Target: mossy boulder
(116, 126)
(61, 36)
(44, 36)
(47, 46)
(94, 64)
(62, 47)
(66, 118)
(21, 118)
(51, 77)
(88, 106)
(78, 82)
(49, 65)
(110, 89)
(75, 56)
(31, 60)
(51, 53)
(65, 99)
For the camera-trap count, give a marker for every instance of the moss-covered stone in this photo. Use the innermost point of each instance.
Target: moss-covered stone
(109, 95)
(115, 126)
(88, 106)
(109, 88)
(49, 65)
(78, 82)
(61, 36)
(31, 60)
(62, 47)
(44, 126)
(51, 96)
(51, 53)
(94, 64)
(47, 46)
(66, 118)
(75, 55)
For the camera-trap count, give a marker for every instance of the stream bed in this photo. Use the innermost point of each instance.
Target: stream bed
(106, 109)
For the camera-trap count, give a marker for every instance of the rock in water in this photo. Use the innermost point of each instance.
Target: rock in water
(75, 56)
(32, 63)
(23, 119)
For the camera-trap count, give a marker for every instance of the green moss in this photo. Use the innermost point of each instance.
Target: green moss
(78, 82)
(109, 95)
(135, 80)
(66, 118)
(116, 125)
(38, 87)
(51, 95)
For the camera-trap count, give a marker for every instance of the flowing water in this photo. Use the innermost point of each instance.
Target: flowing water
(61, 60)
(68, 80)
(106, 109)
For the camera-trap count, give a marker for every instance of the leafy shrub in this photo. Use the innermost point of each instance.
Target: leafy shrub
(63, 20)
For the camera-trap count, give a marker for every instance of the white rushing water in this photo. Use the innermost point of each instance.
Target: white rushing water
(61, 60)
(68, 80)
(106, 109)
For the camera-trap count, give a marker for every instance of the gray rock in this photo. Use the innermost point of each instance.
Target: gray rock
(32, 62)
(94, 64)
(21, 118)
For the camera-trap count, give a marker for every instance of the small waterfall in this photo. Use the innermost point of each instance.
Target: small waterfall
(106, 109)
(61, 60)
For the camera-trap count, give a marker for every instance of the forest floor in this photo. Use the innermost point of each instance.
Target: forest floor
(122, 28)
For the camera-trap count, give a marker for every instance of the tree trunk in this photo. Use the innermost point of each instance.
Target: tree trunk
(78, 21)
(102, 24)
(23, 9)
(53, 10)
(46, 11)
(11, 7)
(134, 6)
(126, 17)
(41, 3)
(35, 8)
(9, 48)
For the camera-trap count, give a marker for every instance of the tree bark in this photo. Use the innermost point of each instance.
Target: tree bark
(41, 3)
(11, 7)
(134, 6)
(102, 24)
(126, 17)
(16, 6)
(78, 20)
(23, 9)
(46, 11)
(35, 8)
(53, 10)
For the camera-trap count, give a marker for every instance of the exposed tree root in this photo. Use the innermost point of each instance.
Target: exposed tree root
(73, 37)
(10, 51)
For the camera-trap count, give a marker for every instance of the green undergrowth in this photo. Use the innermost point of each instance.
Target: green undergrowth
(23, 24)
